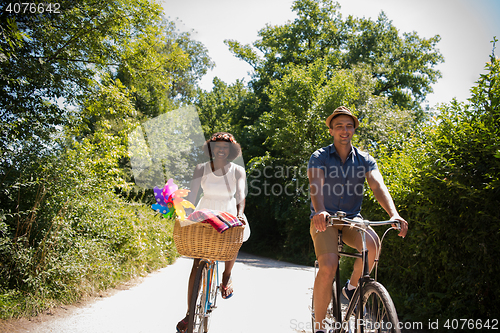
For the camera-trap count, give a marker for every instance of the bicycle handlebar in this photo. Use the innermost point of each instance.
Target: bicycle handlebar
(363, 224)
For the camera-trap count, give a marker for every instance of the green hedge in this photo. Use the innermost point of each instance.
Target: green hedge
(446, 182)
(80, 256)
(65, 232)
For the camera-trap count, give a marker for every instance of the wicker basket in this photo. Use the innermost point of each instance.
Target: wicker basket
(201, 240)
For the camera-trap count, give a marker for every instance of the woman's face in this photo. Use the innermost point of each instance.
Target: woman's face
(220, 149)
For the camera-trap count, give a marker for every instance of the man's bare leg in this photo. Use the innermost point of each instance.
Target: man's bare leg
(328, 263)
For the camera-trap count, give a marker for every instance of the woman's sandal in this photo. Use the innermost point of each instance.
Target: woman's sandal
(224, 289)
(182, 325)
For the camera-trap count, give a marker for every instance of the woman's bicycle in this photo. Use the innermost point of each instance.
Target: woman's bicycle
(371, 308)
(201, 240)
(204, 297)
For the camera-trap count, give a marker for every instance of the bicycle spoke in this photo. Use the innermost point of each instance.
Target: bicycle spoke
(379, 314)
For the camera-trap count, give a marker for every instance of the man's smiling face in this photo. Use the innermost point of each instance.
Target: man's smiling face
(342, 129)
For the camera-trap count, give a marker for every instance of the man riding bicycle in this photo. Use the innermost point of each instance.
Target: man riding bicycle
(336, 178)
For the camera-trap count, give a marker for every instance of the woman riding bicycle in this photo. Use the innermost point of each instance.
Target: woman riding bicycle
(223, 184)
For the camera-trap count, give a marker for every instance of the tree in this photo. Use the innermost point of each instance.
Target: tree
(184, 83)
(295, 127)
(403, 65)
(59, 60)
(303, 71)
(65, 113)
(219, 107)
(70, 67)
(162, 73)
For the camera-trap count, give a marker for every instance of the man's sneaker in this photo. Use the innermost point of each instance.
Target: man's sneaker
(347, 293)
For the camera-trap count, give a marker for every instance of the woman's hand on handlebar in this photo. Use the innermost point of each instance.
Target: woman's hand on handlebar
(319, 220)
(241, 217)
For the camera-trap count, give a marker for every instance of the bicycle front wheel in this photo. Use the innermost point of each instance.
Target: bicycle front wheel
(379, 313)
(197, 311)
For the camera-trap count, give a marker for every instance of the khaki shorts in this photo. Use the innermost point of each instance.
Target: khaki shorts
(327, 241)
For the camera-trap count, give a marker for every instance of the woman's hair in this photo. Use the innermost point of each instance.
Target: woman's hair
(234, 148)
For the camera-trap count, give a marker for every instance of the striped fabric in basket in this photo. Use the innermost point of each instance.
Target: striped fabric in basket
(221, 221)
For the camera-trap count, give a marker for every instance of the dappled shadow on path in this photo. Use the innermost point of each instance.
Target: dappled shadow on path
(262, 262)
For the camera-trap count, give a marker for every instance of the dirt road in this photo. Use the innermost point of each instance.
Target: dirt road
(269, 296)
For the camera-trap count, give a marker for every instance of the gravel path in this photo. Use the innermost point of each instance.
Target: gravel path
(269, 296)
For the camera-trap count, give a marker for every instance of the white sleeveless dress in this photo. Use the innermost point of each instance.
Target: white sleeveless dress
(219, 191)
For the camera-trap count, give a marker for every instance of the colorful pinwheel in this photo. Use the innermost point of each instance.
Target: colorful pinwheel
(169, 201)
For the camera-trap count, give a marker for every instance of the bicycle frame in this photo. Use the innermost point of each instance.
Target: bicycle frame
(362, 226)
(212, 272)
(211, 290)
(204, 296)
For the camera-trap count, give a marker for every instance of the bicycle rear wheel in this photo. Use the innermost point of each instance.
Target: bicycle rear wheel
(379, 313)
(197, 311)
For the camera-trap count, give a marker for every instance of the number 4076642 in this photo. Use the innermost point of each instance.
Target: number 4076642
(471, 324)
(33, 8)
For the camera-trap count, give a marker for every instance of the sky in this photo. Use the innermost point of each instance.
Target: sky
(466, 27)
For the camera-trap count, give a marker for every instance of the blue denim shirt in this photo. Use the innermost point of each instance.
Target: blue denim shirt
(344, 182)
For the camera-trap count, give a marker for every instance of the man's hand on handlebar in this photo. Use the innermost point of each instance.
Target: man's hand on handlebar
(403, 224)
(319, 220)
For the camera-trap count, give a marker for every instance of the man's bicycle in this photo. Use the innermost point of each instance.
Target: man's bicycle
(201, 240)
(371, 308)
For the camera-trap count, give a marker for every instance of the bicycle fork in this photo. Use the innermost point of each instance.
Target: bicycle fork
(356, 305)
(365, 277)
(212, 274)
